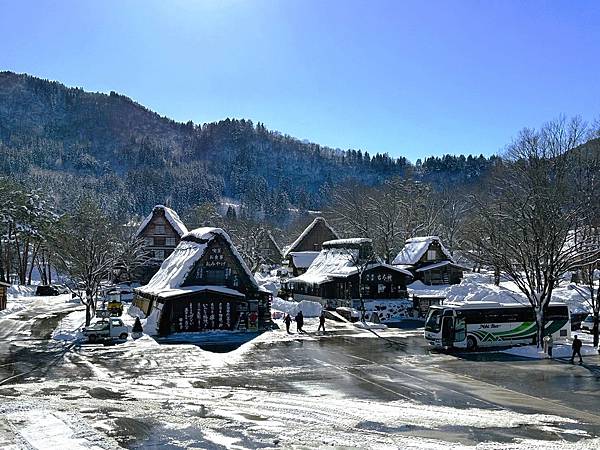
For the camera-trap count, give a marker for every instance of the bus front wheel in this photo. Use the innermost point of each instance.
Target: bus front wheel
(471, 343)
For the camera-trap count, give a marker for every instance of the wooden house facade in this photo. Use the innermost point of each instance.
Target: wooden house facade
(333, 277)
(3, 295)
(302, 252)
(161, 231)
(205, 285)
(429, 261)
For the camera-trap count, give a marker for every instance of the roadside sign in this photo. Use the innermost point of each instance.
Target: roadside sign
(103, 313)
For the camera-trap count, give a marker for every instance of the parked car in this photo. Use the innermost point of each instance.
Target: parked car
(51, 289)
(588, 324)
(106, 329)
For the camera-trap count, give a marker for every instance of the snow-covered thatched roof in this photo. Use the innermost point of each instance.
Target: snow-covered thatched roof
(352, 242)
(336, 262)
(174, 270)
(307, 230)
(171, 216)
(415, 248)
(303, 260)
(441, 264)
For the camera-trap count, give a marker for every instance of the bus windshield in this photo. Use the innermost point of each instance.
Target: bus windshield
(434, 320)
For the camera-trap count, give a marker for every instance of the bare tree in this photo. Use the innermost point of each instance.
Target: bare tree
(86, 251)
(531, 212)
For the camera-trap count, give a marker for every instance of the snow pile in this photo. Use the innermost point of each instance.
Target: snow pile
(69, 328)
(309, 309)
(574, 295)
(16, 291)
(558, 351)
(480, 288)
(171, 216)
(149, 324)
(415, 248)
(389, 310)
(269, 282)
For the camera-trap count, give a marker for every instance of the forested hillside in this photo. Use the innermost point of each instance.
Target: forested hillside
(65, 139)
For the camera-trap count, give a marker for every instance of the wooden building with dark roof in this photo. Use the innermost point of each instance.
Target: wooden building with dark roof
(429, 261)
(205, 285)
(307, 246)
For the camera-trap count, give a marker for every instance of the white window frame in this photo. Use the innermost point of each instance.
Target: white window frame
(159, 229)
(431, 255)
(159, 254)
(171, 241)
(149, 240)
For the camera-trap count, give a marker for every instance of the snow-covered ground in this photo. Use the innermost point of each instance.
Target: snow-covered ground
(346, 389)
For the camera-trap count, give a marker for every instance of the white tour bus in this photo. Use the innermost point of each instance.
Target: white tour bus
(489, 324)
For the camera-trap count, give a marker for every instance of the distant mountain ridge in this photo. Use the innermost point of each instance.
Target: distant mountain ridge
(55, 136)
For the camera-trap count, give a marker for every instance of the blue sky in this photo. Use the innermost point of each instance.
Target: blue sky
(409, 78)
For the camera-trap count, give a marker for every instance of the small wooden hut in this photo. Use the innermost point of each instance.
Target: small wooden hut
(301, 253)
(429, 261)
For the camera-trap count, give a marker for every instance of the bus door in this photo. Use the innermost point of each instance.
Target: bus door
(460, 330)
(447, 331)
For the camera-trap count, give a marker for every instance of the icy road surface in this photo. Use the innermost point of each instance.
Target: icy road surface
(347, 389)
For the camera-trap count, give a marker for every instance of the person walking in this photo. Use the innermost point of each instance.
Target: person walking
(576, 346)
(322, 322)
(299, 322)
(288, 321)
(550, 344)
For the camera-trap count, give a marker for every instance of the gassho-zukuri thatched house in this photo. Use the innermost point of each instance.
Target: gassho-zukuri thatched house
(161, 231)
(332, 278)
(205, 285)
(303, 251)
(429, 261)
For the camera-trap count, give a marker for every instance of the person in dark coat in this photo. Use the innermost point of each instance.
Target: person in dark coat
(576, 347)
(321, 322)
(288, 321)
(137, 330)
(299, 322)
(137, 326)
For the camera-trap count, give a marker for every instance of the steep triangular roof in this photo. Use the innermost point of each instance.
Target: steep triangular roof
(174, 270)
(415, 248)
(338, 260)
(171, 216)
(318, 221)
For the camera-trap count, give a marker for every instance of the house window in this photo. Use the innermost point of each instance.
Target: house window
(159, 254)
(170, 241)
(159, 229)
(381, 288)
(149, 241)
(431, 255)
